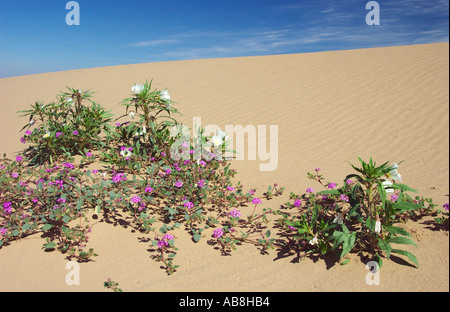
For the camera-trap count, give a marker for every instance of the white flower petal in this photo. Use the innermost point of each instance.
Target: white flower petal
(137, 88)
(388, 186)
(164, 95)
(377, 226)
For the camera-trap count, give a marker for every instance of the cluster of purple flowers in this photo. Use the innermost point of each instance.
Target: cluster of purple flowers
(188, 205)
(201, 183)
(136, 199)
(218, 233)
(256, 201)
(234, 213)
(165, 241)
(7, 207)
(119, 177)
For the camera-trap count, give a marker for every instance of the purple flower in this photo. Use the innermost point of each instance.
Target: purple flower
(89, 154)
(201, 183)
(168, 237)
(161, 244)
(148, 189)
(3, 231)
(445, 206)
(317, 169)
(136, 199)
(344, 197)
(332, 186)
(94, 171)
(61, 200)
(235, 213)
(309, 190)
(168, 171)
(394, 197)
(58, 134)
(19, 158)
(68, 165)
(15, 175)
(256, 201)
(291, 228)
(28, 132)
(349, 182)
(230, 188)
(117, 124)
(75, 132)
(119, 177)
(218, 233)
(7, 207)
(178, 184)
(188, 205)
(297, 203)
(23, 140)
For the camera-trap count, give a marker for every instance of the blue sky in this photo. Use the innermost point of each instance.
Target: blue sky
(34, 36)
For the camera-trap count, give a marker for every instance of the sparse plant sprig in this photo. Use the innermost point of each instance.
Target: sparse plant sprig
(167, 249)
(114, 286)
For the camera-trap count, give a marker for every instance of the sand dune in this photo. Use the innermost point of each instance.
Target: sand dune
(330, 107)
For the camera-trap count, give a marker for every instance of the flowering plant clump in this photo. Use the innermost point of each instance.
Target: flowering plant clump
(358, 216)
(69, 126)
(144, 171)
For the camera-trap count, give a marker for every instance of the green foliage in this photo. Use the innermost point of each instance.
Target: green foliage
(358, 216)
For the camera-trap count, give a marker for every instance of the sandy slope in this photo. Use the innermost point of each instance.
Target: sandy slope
(330, 107)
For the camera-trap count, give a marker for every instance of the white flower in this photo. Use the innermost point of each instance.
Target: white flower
(46, 135)
(339, 219)
(314, 241)
(32, 122)
(222, 135)
(393, 174)
(131, 114)
(216, 140)
(378, 226)
(125, 153)
(137, 88)
(164, 95)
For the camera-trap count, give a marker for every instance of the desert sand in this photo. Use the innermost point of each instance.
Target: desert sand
(388, 103)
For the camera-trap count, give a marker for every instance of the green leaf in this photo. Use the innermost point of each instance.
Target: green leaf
(15, 233)
(408, 254)
(404, 188)
(386, 247)
(80, 203)
(50, 245)
(197, 237)
(26, 227)
(401, 240)
(397, 230)
(66, 219)
(346, 261)
(268, 233)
